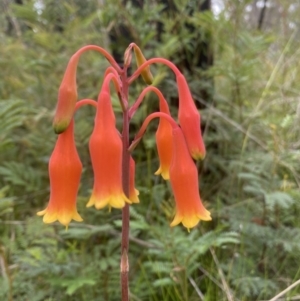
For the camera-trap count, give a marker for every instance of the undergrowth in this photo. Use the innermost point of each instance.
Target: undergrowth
(249, 180)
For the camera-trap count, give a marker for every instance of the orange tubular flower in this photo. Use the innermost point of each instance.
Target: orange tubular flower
(189, 119)
(64, 171)
(67, 97)
(106, 155)
(184, 182)
(133, 193)
(164, 141)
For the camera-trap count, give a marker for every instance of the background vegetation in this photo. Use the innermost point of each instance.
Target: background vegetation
(249, 181)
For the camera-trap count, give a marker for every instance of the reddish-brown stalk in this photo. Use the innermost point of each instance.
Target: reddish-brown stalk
(124, 264)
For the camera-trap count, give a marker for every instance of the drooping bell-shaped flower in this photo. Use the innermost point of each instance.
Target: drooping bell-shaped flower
(185, 186)
(133, 192)
(67, 97)
(189, 119)
(106, 154)
(64, 171)
(164, 141)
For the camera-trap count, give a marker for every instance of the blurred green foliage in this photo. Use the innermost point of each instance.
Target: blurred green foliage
(249, 181)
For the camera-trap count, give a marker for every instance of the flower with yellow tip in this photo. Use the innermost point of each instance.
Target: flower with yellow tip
(184, 182)
(106, 154)
(64, 171)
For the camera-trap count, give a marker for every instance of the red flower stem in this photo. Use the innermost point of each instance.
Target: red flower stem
(84, 102)
(135, 106)
(143, 128)
(109, 75)
(152, 116)
(110, 69)
(152, 61)
(113, 77)
(102, 51)
(124, 265)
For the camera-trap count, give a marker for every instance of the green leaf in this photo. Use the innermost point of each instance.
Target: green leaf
(280, 199)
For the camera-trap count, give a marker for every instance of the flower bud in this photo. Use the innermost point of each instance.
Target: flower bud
(128, 56)
(67, 97)
(140, 60)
